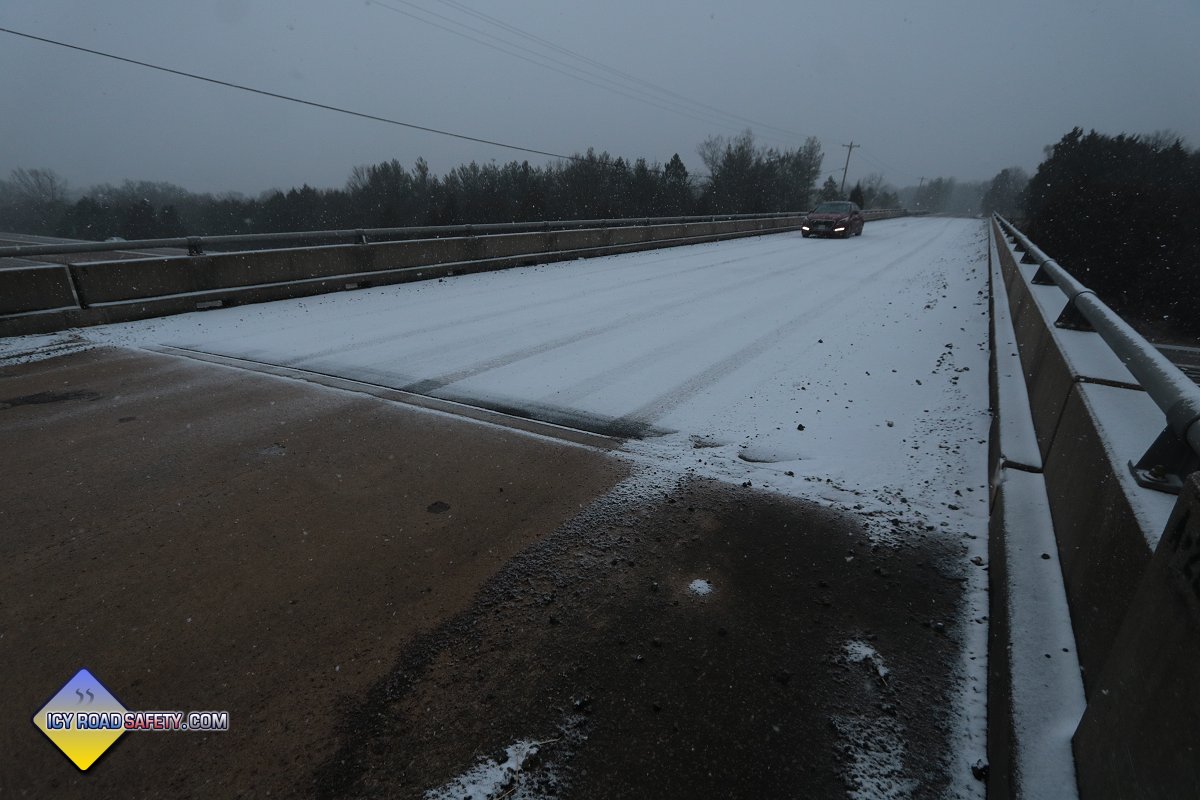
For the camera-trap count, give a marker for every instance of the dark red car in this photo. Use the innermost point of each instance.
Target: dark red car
(834, 218)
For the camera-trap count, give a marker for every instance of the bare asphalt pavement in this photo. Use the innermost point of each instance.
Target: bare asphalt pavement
(385, 597)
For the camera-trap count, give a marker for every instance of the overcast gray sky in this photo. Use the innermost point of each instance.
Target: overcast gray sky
(956, 88)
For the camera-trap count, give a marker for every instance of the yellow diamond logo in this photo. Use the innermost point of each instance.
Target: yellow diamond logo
(83, 719)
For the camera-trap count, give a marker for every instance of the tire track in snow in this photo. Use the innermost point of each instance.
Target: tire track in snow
(649, 413)
(664, 352)
(682, 341)
(604, 268)
(452, 323)
(430, 385)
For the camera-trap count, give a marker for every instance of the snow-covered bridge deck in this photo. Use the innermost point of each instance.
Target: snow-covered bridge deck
(849, 373)
(875, 346)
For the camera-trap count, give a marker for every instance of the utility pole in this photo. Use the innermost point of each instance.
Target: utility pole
(849, 149)
(917, 198)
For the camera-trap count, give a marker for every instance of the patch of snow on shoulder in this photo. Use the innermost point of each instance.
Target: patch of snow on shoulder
(489, 778)
(770, 453)
(858, 652)
(700, 587)
(528, 770)
(38, 347)
(876, 751)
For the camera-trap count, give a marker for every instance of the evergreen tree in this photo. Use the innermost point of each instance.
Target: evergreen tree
(676, 195)
(168, 225)
(830, 190)
(744, 178)
(1118, 212)
(138, 221)
(857, 197)
(1005, 194)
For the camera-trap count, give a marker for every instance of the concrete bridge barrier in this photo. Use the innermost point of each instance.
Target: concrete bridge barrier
(1079, 395)
(42, 299)
(35, 289)
(1128, 560)
(1138, 736)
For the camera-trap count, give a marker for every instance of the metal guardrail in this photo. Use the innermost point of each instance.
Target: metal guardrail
(196, 244)
(1176, 451)
(877, 214)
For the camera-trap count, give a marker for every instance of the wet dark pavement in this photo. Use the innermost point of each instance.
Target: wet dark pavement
(592, 642)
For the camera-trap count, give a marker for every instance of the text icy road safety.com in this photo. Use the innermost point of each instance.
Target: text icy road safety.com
(138, 720)
(84, 719)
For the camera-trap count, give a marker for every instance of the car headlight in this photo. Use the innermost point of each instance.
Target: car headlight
(837, 230)
(804, 227)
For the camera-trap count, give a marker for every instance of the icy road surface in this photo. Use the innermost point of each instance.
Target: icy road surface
(853, 373)
(858, 365)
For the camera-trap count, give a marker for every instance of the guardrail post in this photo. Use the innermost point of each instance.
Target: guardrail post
(195, 246)
(1042, 277)
(360, 236)
(1166, 465)
(1071, 319)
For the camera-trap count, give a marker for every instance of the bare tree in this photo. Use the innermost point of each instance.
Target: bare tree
(1163, 139)
(39, 186)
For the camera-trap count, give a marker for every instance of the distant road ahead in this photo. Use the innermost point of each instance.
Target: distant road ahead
(1186, 358)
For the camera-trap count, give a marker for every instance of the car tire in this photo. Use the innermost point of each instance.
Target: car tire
(805, 235)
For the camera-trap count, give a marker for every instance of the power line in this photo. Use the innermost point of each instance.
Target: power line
(883, 165)
(541, 59)
(529, 60)
(611, 70)
(302, 101)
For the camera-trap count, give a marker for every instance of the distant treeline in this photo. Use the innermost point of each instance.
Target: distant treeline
(1119, 213)
(743, 177)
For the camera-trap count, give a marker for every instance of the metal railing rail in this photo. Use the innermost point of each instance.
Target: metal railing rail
(196, 244)
(1176, 452)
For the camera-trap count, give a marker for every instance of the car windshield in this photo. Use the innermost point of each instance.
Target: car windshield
(832, 208)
